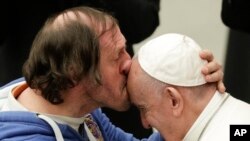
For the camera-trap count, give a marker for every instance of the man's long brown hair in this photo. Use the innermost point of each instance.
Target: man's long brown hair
(63, 54)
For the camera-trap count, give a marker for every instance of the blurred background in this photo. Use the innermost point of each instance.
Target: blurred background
(199, 19)
(222, 26)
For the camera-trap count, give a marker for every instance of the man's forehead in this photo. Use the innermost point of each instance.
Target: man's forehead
(113, 37)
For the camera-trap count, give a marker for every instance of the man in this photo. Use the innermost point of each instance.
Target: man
(21, 21)
(166, 84)
(77, 64)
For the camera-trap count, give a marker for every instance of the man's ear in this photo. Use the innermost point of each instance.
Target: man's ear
(175, 100)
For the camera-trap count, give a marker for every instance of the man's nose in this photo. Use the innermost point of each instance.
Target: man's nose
(125, 67)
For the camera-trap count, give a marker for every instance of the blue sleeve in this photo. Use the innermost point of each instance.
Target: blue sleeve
(113, 133)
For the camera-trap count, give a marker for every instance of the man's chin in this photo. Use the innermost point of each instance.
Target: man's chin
(124, 107)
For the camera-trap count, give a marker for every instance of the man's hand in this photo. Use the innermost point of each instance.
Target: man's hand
(213, 70)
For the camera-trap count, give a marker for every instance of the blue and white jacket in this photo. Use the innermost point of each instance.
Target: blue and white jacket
(29, 126)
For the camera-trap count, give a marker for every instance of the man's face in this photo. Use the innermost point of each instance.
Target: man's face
(114, 64)
(149, 99)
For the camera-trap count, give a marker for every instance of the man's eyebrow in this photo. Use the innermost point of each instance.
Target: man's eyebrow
(125, 45)
(120, 48)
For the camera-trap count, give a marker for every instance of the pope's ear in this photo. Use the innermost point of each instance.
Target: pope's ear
(175, 100)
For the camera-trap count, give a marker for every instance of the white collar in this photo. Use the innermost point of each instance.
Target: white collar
(195, 132)
(13, 105)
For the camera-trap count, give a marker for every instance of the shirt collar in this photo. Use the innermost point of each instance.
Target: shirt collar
(195, 132)
(13, 105)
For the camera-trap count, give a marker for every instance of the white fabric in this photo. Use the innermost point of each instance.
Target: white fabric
(54, 126)
(214, 122)
(174, 59)
(72, 122)
(5, 94)
(12, 104)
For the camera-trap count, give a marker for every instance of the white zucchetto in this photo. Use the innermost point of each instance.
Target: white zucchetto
(174, 59)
